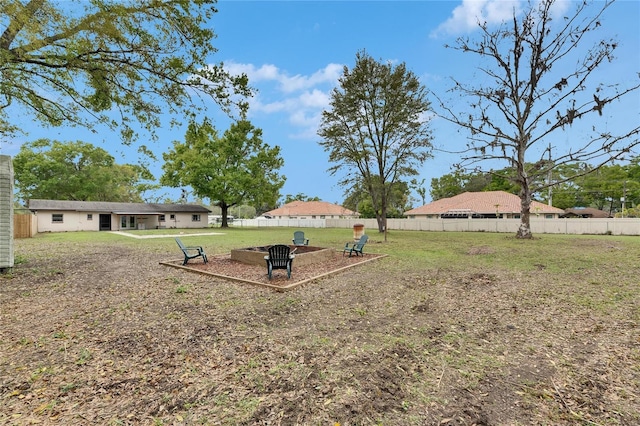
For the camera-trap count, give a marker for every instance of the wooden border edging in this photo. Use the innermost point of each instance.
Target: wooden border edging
(288, 287)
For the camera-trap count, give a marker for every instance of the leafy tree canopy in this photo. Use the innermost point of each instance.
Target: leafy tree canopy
(229, 170)
(359, 200)
(375, 130)
(576, 185)
(299, 197)
(54, 170)
(109, 62)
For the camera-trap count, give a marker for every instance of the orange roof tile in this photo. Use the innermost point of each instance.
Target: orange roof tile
(481, 202)
(311, 208)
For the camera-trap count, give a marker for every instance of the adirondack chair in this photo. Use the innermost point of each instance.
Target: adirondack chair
(355, 247)
(299, 239)
(191, 252)
(279, 257)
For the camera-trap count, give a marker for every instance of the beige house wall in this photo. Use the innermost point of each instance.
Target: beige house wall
(184, 220)
(79, 221)
(71, 221)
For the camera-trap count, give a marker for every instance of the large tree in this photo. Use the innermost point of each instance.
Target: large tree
(45, 169)
(540, 82)
(229, 170)
(109, 62)
(376, 131)
(359, 200)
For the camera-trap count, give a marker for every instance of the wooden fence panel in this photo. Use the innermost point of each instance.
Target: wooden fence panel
(24, 225)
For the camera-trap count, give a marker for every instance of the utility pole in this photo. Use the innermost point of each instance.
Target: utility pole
(549, 177)
(624, 196)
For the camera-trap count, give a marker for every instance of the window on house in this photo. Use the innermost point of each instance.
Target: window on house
(161, 218)
(89, 216)
(548, 216)
(172, 217)
(57, 218)
(195, 218)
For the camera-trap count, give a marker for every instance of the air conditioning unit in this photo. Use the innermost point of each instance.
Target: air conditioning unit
(6, 213)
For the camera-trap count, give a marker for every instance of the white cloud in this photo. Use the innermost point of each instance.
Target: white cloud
(465, 18)
(286, 83)
(301, 97)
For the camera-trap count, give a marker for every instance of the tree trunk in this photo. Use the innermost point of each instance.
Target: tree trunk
(524, 230)
(381, 222)
(225, 210)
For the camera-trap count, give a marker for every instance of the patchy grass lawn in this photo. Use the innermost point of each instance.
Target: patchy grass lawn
(448, 329)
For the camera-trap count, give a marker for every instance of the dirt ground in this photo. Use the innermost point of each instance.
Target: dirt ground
(224, 266)
(125, 340)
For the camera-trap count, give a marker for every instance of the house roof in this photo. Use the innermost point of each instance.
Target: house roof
(311, 208)
(117, 208)
(488, 202)
(586, 212)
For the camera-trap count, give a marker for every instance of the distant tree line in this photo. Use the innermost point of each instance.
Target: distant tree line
(611, 188)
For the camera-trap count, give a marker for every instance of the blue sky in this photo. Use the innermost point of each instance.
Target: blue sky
(294, 53)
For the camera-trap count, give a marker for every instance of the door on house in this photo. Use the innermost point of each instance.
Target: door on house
(127, 222)
(105, 222)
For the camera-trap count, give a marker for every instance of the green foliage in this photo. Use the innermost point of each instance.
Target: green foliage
(229, 170)
(374, 130)
(447, 186)
(243, 211)
(46, 169)
(358, 199)
(458, 182)
(110, 63)
(574, 185)
(299, 197)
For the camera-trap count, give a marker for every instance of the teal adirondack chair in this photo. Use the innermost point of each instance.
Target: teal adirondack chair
(191, 252)
(279, 257)
(299, 239)
(355, 247)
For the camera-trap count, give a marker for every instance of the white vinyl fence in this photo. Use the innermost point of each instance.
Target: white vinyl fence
(538, 225)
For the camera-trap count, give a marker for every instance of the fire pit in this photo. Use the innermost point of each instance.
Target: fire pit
(304, 254)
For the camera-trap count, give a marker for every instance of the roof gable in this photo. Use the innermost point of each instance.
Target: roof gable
(311, 208)
(113, 207)
(488, 202)
(587, 212)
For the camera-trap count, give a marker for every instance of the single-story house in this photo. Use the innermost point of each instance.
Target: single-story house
(489, 204)
(311, 210)
(585, 212)
(62, 216)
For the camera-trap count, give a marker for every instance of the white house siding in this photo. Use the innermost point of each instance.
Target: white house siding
(71, 221)
(184, 220)
(77, 221)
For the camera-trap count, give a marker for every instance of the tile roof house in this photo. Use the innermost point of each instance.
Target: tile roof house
(64, 216)
(585, 212)
(311, 210)
(489, 204)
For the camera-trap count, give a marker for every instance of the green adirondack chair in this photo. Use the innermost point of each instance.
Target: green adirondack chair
(299, 239)
(279, 257)
(191, 252)
(355, 247)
